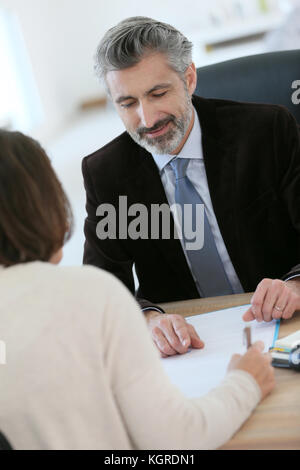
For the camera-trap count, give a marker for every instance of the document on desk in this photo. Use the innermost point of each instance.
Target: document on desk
(200, 370)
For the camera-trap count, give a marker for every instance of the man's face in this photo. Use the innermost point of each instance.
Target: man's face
(153, 102)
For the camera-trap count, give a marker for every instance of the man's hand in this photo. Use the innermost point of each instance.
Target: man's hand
(171, 333)
(258, 365)
(274, 299)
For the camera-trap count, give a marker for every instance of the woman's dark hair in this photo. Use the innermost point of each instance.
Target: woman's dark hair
(35, 214)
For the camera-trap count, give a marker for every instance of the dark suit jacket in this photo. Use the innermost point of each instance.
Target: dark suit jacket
(252, 160)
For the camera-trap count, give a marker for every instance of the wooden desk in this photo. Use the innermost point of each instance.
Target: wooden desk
(275, 424)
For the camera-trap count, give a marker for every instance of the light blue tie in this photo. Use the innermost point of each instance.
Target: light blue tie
(206, 263)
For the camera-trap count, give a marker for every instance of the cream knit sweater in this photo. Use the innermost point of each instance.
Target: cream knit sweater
(82, 373)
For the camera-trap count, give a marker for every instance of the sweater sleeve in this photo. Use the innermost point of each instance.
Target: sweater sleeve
(156, 414)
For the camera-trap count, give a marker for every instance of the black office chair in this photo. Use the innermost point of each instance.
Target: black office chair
(261, 78)
(4, 444)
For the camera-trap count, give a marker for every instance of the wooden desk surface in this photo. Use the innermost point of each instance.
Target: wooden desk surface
(275, 424)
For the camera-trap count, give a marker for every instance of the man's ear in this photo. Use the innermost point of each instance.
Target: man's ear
(191, 78)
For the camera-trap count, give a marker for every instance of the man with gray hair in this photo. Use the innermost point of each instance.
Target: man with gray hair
(181, 150)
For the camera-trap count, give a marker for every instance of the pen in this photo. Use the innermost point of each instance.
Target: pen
(247, 336)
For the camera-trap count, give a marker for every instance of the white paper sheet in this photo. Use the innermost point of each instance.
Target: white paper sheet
(198, 371)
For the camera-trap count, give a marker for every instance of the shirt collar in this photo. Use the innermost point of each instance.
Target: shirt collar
(192, 148)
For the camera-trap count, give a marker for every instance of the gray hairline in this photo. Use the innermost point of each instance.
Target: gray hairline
(179, 62)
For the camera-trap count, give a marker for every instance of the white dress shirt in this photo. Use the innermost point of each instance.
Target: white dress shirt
(196, 173)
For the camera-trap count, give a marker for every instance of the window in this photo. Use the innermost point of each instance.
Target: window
(19, 102)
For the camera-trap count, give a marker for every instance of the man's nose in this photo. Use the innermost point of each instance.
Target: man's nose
(147, 115)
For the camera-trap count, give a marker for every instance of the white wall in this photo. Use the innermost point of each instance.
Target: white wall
(61, 37)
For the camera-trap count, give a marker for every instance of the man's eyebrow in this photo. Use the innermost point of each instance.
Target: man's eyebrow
(155, 88)
(158, 87)
(124, 98)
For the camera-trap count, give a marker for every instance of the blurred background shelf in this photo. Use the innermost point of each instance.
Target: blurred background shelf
(233, 40)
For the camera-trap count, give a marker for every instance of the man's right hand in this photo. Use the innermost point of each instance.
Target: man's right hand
(258, 364)
(171, 333)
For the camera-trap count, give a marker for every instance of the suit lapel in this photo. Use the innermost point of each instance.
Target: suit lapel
(219, 153)
(147, 187)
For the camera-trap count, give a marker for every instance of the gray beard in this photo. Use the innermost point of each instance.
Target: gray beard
(167, 143)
